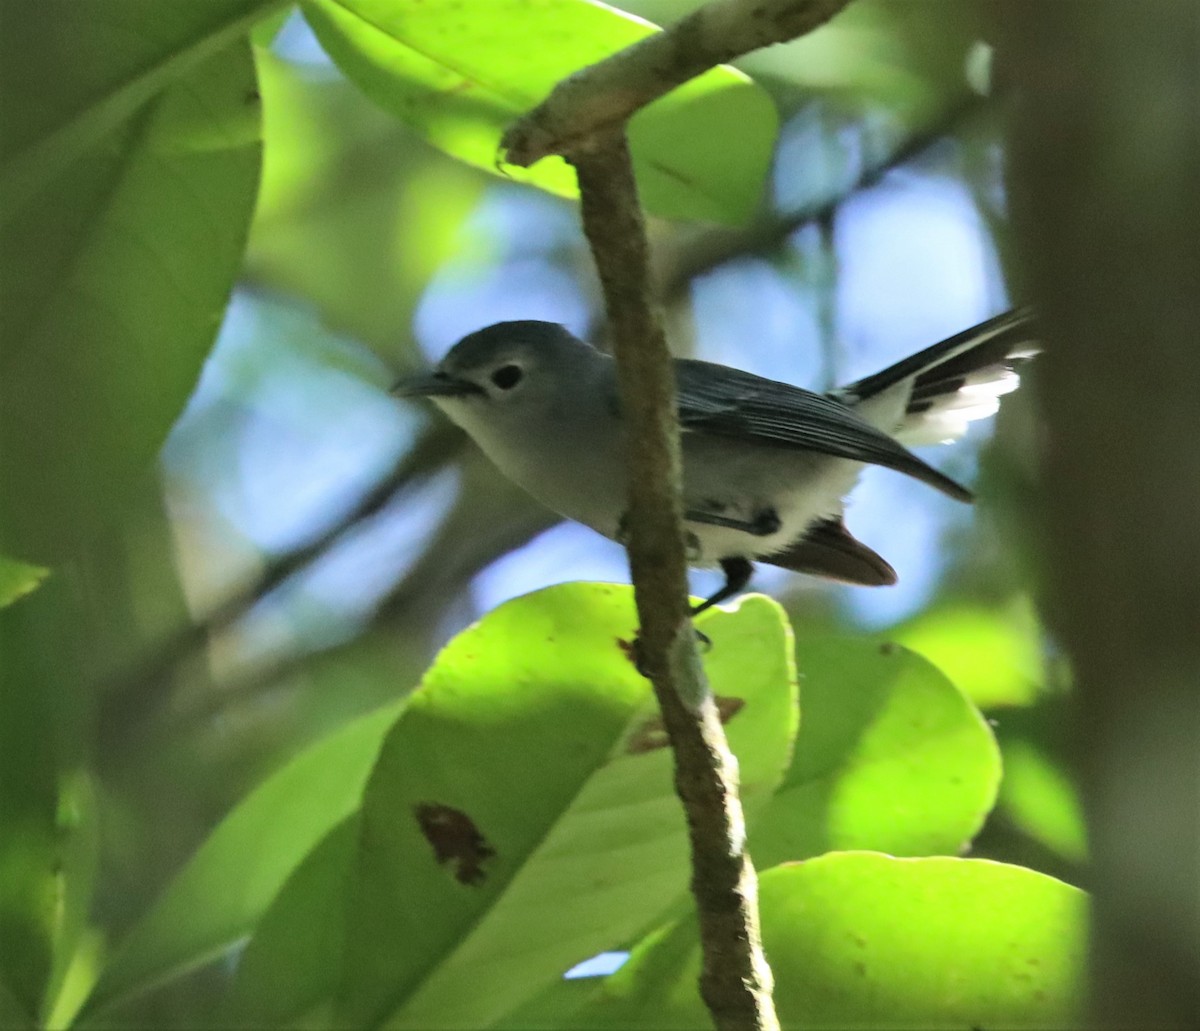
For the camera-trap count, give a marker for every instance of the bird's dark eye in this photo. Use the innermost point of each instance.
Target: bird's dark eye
(507, 376)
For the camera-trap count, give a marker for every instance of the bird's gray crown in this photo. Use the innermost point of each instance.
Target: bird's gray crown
(540, 340)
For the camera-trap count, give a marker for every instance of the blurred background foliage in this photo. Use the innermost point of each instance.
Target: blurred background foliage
(305, 544)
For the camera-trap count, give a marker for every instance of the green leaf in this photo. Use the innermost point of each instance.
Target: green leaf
(555, 1007)
(59, 108)
(460, 76)
(127, 257)
(17, 579)
(522, 817)
(12, 1016)
(1041, 800)
(891, 756)
(48, 831)
(291, 964)
(79, 976)
(220, 895)
(351, 215)
(863, 940)
(30, 679)
(994, 654)
(269, 26)
(75, 943)
(905, 58)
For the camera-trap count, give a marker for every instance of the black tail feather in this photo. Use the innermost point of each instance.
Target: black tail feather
(943, 368)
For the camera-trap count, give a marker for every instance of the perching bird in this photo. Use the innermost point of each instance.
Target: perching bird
(766, 466)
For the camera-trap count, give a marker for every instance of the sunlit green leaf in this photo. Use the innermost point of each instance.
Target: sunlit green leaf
(126, 261)
(17, 579)
(76, 946)
(863, 940)
(219, 896)
(83, 966)
(890, 756)
(992, 654)
(460, 75)
(522, 815)
(1040, 799)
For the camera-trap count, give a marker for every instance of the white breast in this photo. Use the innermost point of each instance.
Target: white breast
(741, 481)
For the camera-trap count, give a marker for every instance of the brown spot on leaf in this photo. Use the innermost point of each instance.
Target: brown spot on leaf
(652, 734)
(455, 840)
(649, 736)
(888, 648)
(728, 707)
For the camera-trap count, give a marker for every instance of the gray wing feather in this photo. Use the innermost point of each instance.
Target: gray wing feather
(727, 402)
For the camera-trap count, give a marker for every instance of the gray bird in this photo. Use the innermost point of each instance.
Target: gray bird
(766, 466)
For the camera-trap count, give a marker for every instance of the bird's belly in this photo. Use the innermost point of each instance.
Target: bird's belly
(742, 483)
(726, 478)
(709, 544)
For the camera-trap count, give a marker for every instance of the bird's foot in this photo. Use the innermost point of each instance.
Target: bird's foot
(737, 575)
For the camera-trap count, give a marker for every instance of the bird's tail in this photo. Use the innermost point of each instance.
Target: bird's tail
(931, 396)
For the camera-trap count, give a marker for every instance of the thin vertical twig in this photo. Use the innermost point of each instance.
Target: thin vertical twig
(735, 981)
(583, 119)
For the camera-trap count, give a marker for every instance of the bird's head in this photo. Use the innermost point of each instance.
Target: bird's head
(506, 371)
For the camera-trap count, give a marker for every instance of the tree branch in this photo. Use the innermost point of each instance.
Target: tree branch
(717, 246)
(135, 696)
(735, 981)
(605, 95)
(584, 119)
(463, 546)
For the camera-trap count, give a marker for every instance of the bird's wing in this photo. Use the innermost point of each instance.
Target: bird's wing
(726, 402)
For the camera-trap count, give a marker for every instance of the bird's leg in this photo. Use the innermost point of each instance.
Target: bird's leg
(737, 570)
(765, 521)
(737, 575)
(692, 544)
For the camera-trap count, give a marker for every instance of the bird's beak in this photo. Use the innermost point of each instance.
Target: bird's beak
(434, 384)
